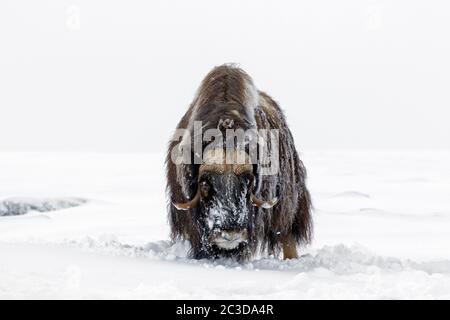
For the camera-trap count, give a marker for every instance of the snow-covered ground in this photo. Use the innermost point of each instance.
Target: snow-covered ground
(94, 226)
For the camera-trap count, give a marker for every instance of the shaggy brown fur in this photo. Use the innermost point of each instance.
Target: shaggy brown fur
(227, 92)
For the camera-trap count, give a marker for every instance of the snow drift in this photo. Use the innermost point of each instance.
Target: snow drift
(381, 232)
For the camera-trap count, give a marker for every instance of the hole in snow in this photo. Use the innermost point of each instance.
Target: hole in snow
(20, 206)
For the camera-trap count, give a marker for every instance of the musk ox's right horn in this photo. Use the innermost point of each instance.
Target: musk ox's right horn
(188, 205)
(263, 204)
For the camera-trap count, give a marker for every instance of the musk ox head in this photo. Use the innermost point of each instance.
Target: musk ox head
(224, 201)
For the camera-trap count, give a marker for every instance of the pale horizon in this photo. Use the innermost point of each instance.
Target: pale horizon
(114, 77)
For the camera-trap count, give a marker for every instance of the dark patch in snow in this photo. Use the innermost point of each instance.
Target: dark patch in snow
(21, 206)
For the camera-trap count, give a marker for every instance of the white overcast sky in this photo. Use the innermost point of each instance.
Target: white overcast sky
(118, 75)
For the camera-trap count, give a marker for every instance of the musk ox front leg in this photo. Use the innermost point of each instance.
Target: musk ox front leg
(289, 247)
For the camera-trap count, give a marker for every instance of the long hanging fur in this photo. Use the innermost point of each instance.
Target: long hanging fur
(228, 92)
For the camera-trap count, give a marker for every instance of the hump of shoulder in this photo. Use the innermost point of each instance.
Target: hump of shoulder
(268, 113)
(231, 87)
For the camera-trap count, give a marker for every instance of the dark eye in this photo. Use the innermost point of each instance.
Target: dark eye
(204, 189)
(248, 178)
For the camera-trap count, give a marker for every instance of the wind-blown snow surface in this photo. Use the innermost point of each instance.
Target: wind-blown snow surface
(382, 230)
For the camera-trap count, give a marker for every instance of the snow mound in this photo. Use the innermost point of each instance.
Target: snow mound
(110, 245)
(338, 259)
(20, 206)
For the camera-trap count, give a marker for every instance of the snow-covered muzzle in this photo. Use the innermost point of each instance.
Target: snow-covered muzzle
(225, 209)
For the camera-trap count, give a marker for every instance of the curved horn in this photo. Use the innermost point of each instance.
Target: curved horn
(263, 204)
(188, 205)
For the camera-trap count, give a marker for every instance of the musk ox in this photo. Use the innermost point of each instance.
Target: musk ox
(223, 199)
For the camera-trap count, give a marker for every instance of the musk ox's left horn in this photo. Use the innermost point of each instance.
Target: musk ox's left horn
(188, 205)
(263, 204)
